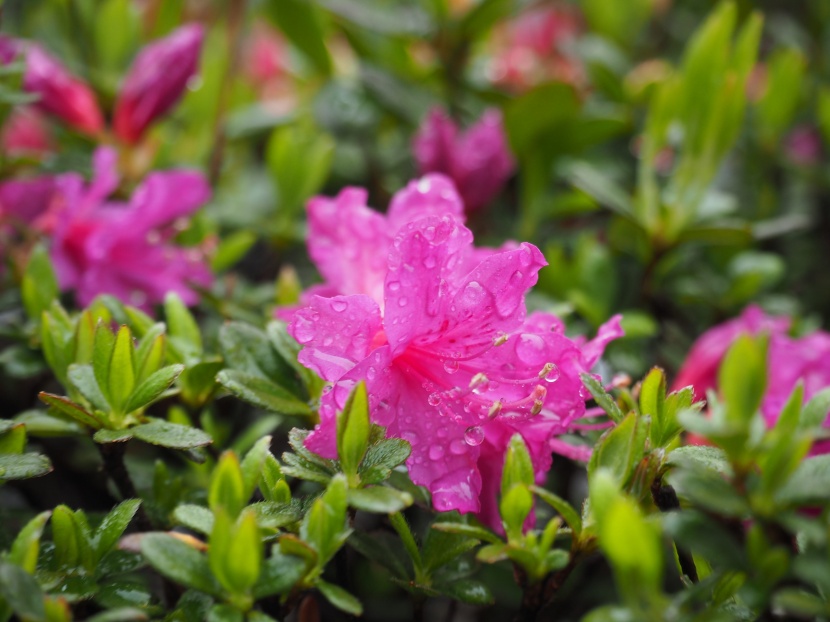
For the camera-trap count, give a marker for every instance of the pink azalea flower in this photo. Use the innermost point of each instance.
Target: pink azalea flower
(477, 160)
(32, 202)
(125, 248)
(789, 360)
(61, 94)
(156, 81)
(803, 146)
(452, 363)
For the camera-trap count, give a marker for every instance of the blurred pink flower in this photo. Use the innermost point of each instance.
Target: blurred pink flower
(156, 81)
(25, 133)
(789, 360)
(30, 202)
(477, 160)
(125, 248)
(536, 47)
(61, 94)
(452, 363)
(266, 54)
(803, 146)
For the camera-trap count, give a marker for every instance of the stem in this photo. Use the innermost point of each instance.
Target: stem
(665, 498)
(113, 457)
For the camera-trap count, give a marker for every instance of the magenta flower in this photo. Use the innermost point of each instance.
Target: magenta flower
(789, 360)
(452, 363)
(125, 249)
(477, 160)
(25, 133)
(31, 202)
(803, 146)
(156, 81)
(61, 94)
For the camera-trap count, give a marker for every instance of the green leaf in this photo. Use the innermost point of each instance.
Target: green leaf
(271, 476)
(483, 16)
(235, 550)
(153, 387)
(179, 562)
(712, 458)
(83, 379)
(227, 485)
(198, 382)
(261, 392)
(26, 545)
(151, 352)
(65, 537)
(442, 547)
(568, 513)
(381, 458)
(194, 517)
(810, 484)
(21, 591)
(39, 286)
(114, 525)
(470, 531)
(518, 468)
(324, 527)
(279, 574)
(102, 347)
(621, 448)
(171, 435)
(599, 186)
(353, 432)
(301, 23)
(605, 401)
(379, 499)
(742, 378)
(275, 515)
(253, 463)
(815, 411)
(400, 525)
(468, 591)
(105, 436)
(514, 508)
(231, 249)
(340, 598)
(122, 369)
(653, 402)
(23, 466)
(299, 159)
(384, 549)
(182, 327)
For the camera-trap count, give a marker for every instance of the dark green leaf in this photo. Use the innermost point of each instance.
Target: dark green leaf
(179, 562)
(261, 392)
(340, 598)
(21, 591)
(172, 435)
(468, 591)
(23, 466)
(379, 499)
(114, 525)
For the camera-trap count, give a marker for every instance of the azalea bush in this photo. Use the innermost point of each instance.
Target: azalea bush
(414, 310)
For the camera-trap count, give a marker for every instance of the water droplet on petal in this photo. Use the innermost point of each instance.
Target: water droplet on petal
(429, 262)
(474, 435)
(436, 452)
(451, 366)
(394, 286)
(553, 374)
(434, 399)
(339, 305)
(402, 301)
(371, 373)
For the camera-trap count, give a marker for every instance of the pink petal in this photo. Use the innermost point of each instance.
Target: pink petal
(348, 243)
(432, 195)
(336, 332)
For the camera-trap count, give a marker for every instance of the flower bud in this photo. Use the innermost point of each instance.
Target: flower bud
(156, 81)
(61, 94)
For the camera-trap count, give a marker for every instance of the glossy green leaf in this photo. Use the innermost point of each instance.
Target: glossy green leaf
(379, 499)
(340, 598)
(153, 387)
(171, 435)
(179, 562)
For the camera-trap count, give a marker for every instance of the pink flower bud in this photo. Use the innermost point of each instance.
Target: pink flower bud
(25, 132)
(61, 94)
(156, 81)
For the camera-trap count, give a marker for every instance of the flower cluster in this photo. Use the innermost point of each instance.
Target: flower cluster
(154, 83)
(790, 360)
(439, 332)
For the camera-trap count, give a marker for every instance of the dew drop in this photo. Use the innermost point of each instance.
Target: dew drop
(339, 305)
(553, 374)
(451, 366)
(474, 435)
(436, 452)
(402, 301)
(394, 286)
(371, 373)
(429, 262)
(434, 399)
